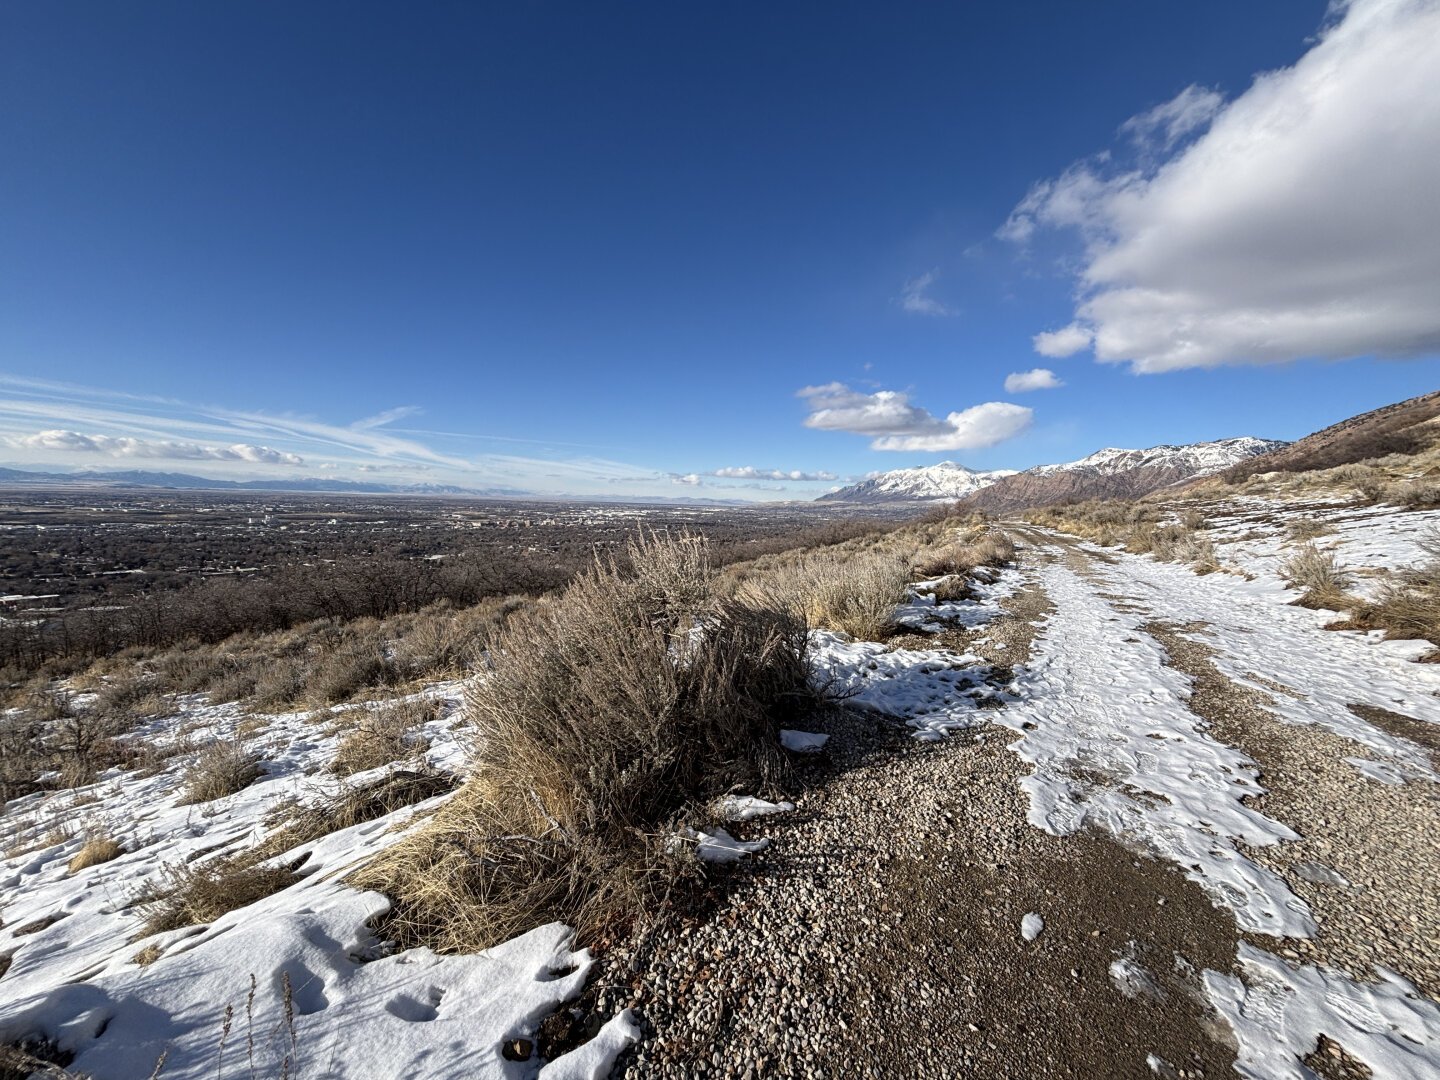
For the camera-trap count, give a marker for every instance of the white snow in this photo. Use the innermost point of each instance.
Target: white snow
(745, 807)
(1278, 1012)
(1104, 723)
(1031, 926)
(718, 846)
(421, 1014)
(1199, 458)
(803, 742)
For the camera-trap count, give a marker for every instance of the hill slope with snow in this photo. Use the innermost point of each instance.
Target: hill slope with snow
(1116, 474)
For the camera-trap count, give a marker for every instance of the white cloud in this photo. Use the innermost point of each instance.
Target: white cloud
(913, 296)
(689, 479)
(1035, 379)
(971, 429)
(747, 472)
(1302, 224)
(1167, 124)
(125, 446)
(1066, 341)
(897, 425)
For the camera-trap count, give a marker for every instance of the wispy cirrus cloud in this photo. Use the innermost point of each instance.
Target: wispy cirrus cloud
(746, 472)
(75, 442)
(893, 423)
(916, 299)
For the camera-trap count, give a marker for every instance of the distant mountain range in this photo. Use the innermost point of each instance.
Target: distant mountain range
(1108, 473)
(944, 482)
(184, 481)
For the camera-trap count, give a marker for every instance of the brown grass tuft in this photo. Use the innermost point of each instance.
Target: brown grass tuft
(224, 767)
(1322, 577)
(383, 735)
(192, 895)
(97, 850)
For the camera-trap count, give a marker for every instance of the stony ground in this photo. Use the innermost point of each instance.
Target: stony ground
(880, 935)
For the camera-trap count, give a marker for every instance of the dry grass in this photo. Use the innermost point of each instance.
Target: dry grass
(1307, 528)
(602, 717)
(224, 767)
(384, 734)
(1322, 577)
(354, 805)
(192, 895)
(972, 549)
(854, 593)
(97, 850)
(1412, 494)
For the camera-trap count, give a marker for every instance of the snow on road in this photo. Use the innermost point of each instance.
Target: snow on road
(1105, 724)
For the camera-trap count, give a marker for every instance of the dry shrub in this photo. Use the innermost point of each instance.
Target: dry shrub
(384, 734)
(856, 594)
(356, 804)
(1322, 577)
(1307, 528)
(97, 850)
(224, 767)
(1409, 606)
(192, 895)
(601, 718)
(1413, 494)
(281, 683)
(350, 669)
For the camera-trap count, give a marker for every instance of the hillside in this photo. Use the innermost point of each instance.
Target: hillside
(1115, 474)
(1406, 428)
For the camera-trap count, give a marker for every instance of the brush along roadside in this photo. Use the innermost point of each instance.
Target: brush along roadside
(603, 721)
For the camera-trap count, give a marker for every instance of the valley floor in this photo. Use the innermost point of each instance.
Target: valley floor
(1109, 819)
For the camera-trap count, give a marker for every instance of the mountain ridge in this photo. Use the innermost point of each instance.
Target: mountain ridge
(1111, 472)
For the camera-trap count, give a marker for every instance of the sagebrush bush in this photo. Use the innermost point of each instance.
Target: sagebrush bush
(855, 593)
(1412, 494)
(383, 734)
(222, 768)
(1322, 577)
(1307, 528)
(600, 718)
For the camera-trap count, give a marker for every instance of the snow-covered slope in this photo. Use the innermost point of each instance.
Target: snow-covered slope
(931, 483)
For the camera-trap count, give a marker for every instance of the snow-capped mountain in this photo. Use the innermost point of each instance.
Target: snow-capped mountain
(1108, 473)
(1117, 474)
(1199, 459)
(944, 482)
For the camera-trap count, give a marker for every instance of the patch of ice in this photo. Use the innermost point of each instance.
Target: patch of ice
(745, 807)
(718, 846)
(1278, 1013)
(1031, 926)
(803, 742)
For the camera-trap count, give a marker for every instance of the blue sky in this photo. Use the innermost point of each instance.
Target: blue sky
(606, 249)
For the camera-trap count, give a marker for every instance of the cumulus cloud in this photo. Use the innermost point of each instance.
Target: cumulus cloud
(688, 479)
(914, 298)
(1301, 224)
(895, 424)
(1066, 341)
(1035, 379)
(747, 472)
(126, 447)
